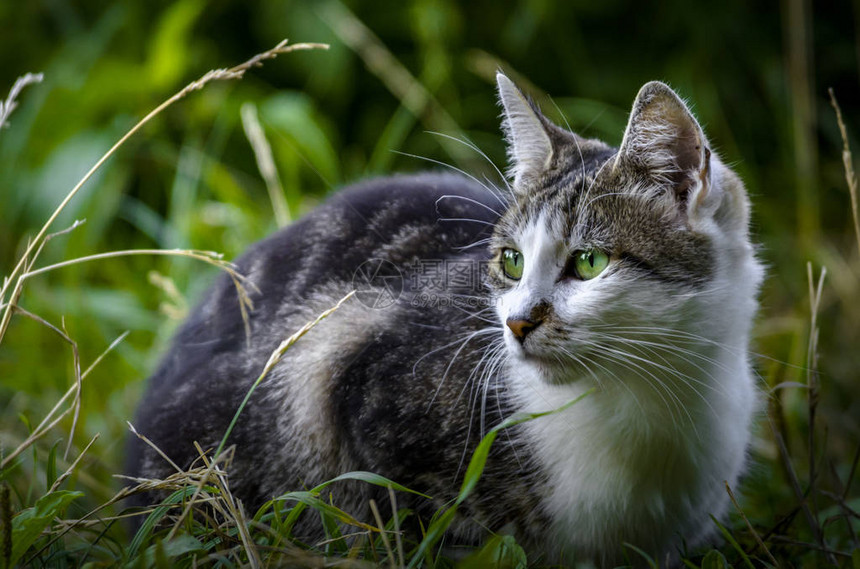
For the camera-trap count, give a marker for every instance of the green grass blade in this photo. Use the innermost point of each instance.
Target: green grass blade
(273, 360)
(714, 560)
(335, 541)
(28, 524)
(648, 559)
(311, 500)
(155, 517)
(162, 553)
(370, 478)
(500, 552)
(731, 539)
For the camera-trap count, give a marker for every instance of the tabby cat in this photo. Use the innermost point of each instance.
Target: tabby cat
(627, 273)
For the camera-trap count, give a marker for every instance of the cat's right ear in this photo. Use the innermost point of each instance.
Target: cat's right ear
(664, 141)
(530, 149)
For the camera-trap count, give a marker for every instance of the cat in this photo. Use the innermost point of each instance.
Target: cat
(626, 274)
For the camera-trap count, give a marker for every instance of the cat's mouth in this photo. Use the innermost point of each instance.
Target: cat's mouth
(556, 364)
(550, 368)
(533, 352)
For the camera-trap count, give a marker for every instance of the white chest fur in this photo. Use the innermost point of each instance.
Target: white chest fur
(619, 468)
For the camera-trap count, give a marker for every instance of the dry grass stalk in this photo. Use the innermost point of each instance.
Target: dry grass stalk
(175, 306)
(172, 483)
(211, 466)
(154, 447)
(228, 506)
(848, 164)
(398, 538)
(794, 481)
(49, 421)
(76, 358)
(30, 254)
(62, 478)
(210, 257)
(265, 162)
(812, 382)
(12, 288)
(276, 356)
(285, 345)
(382, 533)
(754, 533)
(176, 481)
(9, 105)
(237, 513)
(394, 75)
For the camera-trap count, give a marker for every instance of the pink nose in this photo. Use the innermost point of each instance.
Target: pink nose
(520, 327)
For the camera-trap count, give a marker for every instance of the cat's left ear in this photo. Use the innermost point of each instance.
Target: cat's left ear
(530, 148)
(664, 141)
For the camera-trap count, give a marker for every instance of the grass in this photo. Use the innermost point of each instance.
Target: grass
(799, 506)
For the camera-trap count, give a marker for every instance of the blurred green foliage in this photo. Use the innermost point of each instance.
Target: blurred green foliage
(756, 74)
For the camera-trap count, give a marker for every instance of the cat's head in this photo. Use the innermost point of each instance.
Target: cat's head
(605, 253)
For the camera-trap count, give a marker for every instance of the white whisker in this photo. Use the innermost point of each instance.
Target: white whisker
(464, 198)
(474, 147)
(458, 170)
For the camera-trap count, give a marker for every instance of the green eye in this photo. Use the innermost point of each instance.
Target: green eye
(589, 264)
(512, 263)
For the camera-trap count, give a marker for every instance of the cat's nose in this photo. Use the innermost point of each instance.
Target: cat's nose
(521, 328)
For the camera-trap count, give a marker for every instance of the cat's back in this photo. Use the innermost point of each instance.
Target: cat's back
(396, 224)
(392, 240)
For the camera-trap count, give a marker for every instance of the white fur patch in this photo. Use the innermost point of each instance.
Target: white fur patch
(302, 382)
